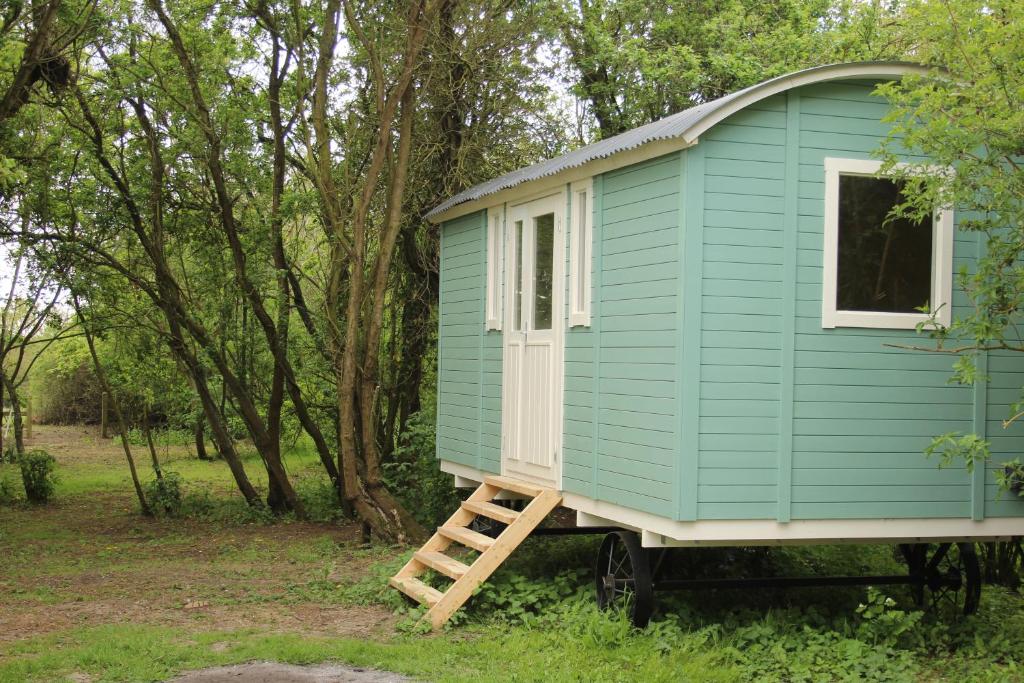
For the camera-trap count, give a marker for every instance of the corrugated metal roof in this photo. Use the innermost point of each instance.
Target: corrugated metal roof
(670, 127)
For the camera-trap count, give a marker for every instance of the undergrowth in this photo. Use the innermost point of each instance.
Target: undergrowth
(767, 635)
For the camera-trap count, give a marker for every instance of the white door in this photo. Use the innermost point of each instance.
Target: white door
(532, 382)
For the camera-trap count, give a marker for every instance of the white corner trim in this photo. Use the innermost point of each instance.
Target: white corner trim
(494, 261)
(942, 258)
(581, 252)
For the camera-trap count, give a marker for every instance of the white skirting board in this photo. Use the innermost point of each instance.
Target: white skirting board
(657, 531)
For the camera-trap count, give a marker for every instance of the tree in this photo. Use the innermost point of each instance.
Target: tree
(27, 312)
(967, 117)
(636, 61)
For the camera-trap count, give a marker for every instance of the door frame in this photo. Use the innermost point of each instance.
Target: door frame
(551, 202)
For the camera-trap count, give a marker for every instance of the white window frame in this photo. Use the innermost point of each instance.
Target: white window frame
(581, 249)
(495, 263)
(942, 258)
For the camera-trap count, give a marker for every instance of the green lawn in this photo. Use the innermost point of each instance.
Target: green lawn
(91, 590)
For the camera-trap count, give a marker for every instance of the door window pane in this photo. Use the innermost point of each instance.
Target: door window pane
(544, 270)
(884, 264)
(517, 293)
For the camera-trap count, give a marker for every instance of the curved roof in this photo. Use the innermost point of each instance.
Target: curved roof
(686, 125)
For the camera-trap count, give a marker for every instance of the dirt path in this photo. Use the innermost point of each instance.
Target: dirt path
(269, 672)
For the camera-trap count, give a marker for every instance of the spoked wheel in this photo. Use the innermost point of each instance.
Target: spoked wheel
(491, 527)
(916, 556)
(953, 578)
(623, 577)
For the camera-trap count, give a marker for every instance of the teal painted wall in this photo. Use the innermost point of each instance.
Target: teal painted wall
(622, 430)
(469, 358)
(800, 422)
(705, 387)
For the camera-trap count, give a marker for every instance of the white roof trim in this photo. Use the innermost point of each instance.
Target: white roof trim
(670, 133)
(835, 72)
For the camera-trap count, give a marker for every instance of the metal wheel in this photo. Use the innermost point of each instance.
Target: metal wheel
(487, 526)
(623, 577)
(953, 579)
(915, 555)
(491, 527)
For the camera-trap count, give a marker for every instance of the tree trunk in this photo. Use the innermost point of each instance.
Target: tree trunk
(199, 432)
(17, 426)
(122, 427)
(149, 442)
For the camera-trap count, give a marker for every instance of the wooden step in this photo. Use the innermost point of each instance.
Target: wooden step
(440, 562)
(467, 537)
(493, 551)
(514, 485)
(416, 589)
(495, 512)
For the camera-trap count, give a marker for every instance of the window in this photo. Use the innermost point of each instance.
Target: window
(879, 271)
(495, 251)
(580, 252)
(543, 270)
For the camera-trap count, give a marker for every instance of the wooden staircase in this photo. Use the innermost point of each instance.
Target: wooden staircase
(493, 551)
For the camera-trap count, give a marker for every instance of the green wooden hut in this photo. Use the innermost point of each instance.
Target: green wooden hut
(691, 330)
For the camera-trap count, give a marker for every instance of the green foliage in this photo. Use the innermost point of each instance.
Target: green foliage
(966, 116)
(161, 437)
(164, 494)
(955, 447)
(415, 476)
(523, 600)
(8, 491)
(320, 498)
(637, 61)
(38, 475)
(882, 625)
(204, 504)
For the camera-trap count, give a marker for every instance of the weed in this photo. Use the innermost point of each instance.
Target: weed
(8, 491)
(164, 494)
(38, 475)
(415, 475)
(320, 498)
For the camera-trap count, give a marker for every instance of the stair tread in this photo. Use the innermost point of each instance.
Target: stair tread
(436, 560)
(514, 485)
(467, 537)
(416, 589)
(495, 512)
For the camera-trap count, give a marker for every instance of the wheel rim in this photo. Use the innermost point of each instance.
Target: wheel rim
(622, 577)
(953, 579)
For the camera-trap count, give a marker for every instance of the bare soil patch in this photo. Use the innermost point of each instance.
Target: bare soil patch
(91, 559)
(269, 672)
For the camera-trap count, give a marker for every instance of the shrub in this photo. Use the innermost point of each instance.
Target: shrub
(164, 494)
(37, 474)
(8, 493)
(320, 498)
(415, 475)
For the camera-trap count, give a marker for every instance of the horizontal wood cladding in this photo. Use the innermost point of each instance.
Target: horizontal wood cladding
(469, 360)
(859, 410)
(621, 413)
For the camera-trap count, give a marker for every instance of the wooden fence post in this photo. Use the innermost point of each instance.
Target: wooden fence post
(103, 414)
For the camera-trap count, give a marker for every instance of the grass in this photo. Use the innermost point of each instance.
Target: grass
(90, 589)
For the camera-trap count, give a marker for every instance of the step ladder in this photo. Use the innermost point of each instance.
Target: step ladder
(493, 551)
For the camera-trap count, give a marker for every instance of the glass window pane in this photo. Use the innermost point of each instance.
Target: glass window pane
(885, 264)
(517, 294)
(544, 270)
